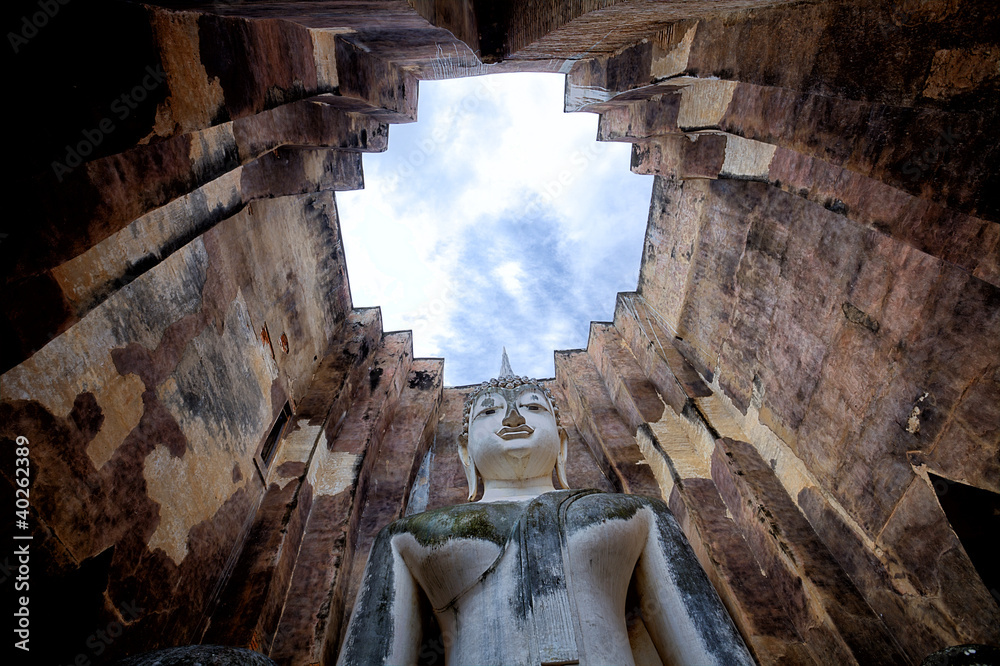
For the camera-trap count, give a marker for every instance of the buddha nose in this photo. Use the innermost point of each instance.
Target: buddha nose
(513, 418)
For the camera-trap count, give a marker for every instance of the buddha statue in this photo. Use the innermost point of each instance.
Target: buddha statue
(531, 575)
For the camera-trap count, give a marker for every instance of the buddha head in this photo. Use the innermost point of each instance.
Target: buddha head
(512, 433)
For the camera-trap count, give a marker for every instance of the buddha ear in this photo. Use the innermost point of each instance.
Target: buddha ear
(468, 464)
(561, 460)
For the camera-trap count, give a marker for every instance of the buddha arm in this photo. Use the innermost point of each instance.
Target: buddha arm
(683, 614)
(385, 626)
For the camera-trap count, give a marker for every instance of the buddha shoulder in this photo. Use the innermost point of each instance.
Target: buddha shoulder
(598, 508)
(486, 522)
(494, 522)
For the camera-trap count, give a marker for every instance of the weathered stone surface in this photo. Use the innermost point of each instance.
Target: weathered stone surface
(754, 48)
(157, 476)
(207, 655)
(792, 344)
(259, 573)
(388, 487)
(635, 397)
(683, 157)
(333, 475)
(926, 559)
(752, 599)
(826, 607)
(338, 481)
(446, 483)
(653, 346)
(260, 583)
(554, 31)
(868, 202)
(341, 371)
(582, 469)
(390, 30)
(675, 218)
(604, 431)
(906, 148)
(111, 249)
(292, 171)
(871, 577)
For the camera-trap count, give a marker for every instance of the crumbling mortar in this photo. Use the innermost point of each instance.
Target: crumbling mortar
(951, 416)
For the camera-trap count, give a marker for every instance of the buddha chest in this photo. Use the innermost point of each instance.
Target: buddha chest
(537, 575)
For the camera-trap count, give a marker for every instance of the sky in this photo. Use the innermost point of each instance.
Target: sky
(496, 220)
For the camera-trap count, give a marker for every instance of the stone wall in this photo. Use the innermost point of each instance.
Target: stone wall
(811, 343)
(146, 416)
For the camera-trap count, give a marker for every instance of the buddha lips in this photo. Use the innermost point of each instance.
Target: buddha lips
(519, 432)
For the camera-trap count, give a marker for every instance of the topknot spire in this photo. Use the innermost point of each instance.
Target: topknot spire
(505, 370)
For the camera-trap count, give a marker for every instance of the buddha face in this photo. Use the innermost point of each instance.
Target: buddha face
(513, 436)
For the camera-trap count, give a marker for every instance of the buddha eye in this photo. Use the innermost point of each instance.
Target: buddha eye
(488, 411)
(534, 408)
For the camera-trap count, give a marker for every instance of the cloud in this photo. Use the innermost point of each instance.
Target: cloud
(495, 220)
